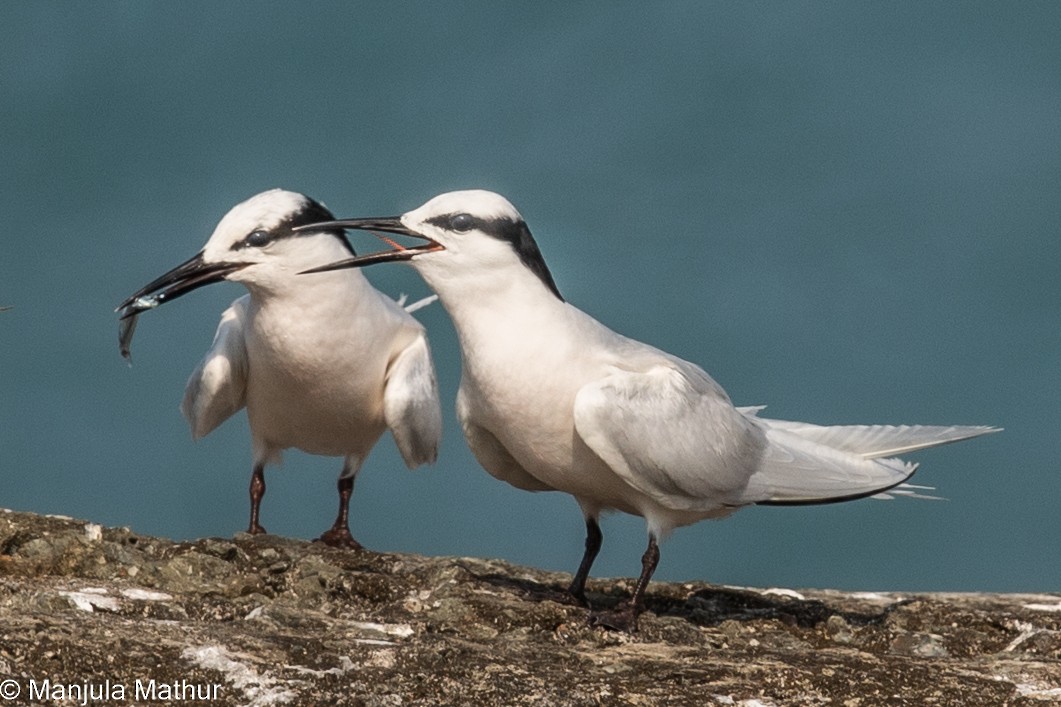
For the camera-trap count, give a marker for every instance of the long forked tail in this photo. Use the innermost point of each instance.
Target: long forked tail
(810, 464)
(876, 441)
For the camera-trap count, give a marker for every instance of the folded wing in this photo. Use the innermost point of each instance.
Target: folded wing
(680, 441)
(673, 437)
(217, 388)
(410, 404)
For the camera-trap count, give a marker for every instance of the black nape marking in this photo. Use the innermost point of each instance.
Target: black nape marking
(515, 233)
(312, 212)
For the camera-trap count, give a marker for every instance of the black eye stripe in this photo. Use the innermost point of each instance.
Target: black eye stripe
(312, 212)
(462, 223)
(513, 232)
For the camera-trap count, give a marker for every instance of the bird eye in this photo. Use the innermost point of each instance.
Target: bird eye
(461, 223)
(257, 239)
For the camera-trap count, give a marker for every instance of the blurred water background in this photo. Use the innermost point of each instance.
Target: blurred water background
(846, 211)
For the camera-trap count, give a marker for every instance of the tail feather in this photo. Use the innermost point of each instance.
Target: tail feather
(875, 441)
(812, 464)
(907, 491)
(794, 470)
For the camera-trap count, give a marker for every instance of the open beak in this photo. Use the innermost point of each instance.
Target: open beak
(391, 224)
(189, 275)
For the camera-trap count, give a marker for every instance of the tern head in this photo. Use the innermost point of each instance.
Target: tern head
(256, 243)
(466, 234)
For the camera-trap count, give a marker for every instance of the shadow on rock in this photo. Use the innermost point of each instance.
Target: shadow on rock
(704, 607)
(710, 607)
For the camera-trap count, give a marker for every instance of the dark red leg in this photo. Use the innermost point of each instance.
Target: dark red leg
(577, 590)
(625, 618)
(339, 534)
(257, 491)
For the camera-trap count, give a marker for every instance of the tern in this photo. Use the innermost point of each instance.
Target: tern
(324, 366)
(551, 399)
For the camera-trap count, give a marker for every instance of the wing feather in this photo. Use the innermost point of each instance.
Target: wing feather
(684, 445)
(217, 388)
(671, 436)
(410, 403)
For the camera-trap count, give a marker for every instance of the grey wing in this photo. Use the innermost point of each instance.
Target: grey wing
(673, 436)
(410, 403)
(492, 455)
(684, 445)
(217, 389)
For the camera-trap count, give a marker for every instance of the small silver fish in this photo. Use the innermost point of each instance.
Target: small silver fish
(127, 323)
(126, 328)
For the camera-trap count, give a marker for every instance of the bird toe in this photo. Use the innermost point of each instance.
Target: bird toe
(339, 537)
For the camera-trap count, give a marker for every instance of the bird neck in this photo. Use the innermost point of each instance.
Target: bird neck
(290, 288)
(501, 318)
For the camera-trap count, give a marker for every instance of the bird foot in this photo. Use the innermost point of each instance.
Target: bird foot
(624, 619)
(339, 537)
(256, 529)
(572, 598)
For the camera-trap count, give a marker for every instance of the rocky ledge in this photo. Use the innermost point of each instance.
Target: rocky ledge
(92, 615)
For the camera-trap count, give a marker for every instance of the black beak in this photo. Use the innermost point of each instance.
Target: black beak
(392, 224)
(189, 275)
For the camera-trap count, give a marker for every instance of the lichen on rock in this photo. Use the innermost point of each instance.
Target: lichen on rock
(277, 621)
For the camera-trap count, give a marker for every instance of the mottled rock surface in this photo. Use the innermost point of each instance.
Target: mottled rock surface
(267, 620)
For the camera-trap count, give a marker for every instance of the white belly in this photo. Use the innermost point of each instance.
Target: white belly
(316, 384)
(339, 419)
(532, 416)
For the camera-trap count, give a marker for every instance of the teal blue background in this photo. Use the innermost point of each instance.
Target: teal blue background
(846, 211)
